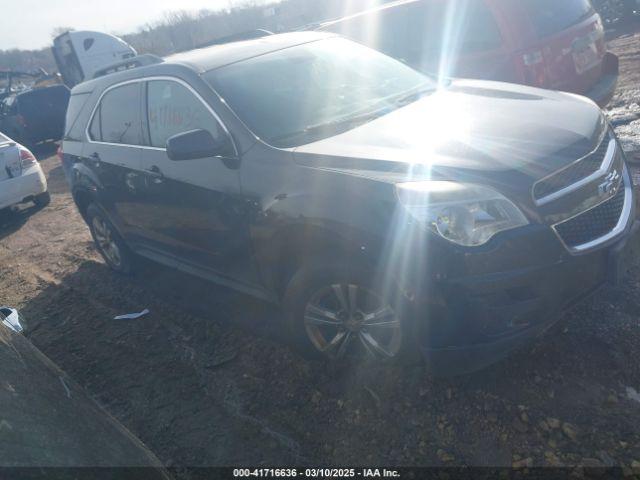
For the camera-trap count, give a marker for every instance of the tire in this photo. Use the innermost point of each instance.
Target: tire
(42, 200)
(316, 304)
(108, 241)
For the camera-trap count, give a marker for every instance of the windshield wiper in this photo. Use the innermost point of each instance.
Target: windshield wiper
(414, 94)
(338, 124)
(355, 120)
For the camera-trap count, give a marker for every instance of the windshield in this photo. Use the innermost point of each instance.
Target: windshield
(315, 90)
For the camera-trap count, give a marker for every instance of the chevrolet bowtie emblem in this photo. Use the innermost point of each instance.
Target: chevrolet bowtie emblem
(609, 186)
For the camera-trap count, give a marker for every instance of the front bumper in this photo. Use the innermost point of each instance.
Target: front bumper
(499, 313)
(20, 189)
(603, 91)
(483, 303)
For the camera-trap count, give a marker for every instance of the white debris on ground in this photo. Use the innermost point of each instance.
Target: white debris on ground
(629, 136)
(133, 316)
(632, 394)
(625, 118)
(626, 121)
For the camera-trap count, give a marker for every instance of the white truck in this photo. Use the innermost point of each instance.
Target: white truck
(80, 54)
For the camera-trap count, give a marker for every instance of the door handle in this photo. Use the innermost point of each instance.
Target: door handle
(155, 173)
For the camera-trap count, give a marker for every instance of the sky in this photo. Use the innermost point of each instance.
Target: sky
(27, 24)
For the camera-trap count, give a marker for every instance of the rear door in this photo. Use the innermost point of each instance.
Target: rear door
(570, 35)
(113, 155)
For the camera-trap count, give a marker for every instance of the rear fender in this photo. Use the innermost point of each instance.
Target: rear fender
(83, 177)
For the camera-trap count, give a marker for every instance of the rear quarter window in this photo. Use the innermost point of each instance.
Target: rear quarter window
(552, 16)
(73, 128)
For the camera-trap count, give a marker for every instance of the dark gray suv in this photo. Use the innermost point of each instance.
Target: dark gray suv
(385, 213)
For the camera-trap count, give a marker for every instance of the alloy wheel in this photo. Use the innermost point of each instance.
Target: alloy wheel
(348, 319)
(106, 242)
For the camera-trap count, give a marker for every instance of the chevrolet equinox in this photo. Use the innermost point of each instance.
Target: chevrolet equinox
(386, 214)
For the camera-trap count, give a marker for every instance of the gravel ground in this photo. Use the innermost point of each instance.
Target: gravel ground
(206, 380)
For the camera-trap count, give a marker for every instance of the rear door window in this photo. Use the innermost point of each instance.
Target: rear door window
(117, 118)
(553, 16)
(174, 109)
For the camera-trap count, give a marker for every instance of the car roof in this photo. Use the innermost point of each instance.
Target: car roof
(209, 58)
(205, 59)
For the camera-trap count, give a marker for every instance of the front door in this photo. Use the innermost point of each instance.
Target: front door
(195, 210)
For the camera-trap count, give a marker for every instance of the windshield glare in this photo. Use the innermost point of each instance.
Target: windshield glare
(311, 91)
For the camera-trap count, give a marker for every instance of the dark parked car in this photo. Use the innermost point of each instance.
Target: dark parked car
(49, 423)
(555, 44)
(384, 213)
(35, 115)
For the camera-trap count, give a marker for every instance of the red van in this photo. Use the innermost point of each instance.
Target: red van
(555, 44)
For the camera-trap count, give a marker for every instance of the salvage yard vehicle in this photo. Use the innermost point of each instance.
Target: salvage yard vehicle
(36, 115)
(79, 54)
(551, 44)
(50, 422)
(385, 213)
(21, 177)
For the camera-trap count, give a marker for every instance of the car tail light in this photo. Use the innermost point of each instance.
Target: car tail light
(60, 153)
(27, 159)
(534, 68)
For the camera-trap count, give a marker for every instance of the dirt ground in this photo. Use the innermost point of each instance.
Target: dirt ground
(206, 380)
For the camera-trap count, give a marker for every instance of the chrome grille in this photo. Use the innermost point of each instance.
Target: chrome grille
(593, 224)
(550, 188)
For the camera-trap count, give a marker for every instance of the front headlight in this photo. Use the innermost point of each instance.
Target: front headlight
(469, 215)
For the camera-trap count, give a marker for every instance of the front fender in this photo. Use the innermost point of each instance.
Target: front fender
(295, 228)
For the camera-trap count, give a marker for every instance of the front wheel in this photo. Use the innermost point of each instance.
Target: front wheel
(343, 313)
(108, 242)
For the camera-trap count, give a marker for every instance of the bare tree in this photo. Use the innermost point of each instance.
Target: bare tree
(183, 30)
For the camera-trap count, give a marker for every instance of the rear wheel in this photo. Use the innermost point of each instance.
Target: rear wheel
(341, 313)
(108, 242)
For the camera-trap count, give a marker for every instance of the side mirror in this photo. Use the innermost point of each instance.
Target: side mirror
(197, 144)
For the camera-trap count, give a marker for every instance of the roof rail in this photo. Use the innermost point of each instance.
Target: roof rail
(128, 64)
(237, 37)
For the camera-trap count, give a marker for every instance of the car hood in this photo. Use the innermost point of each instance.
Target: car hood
(473, 126)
